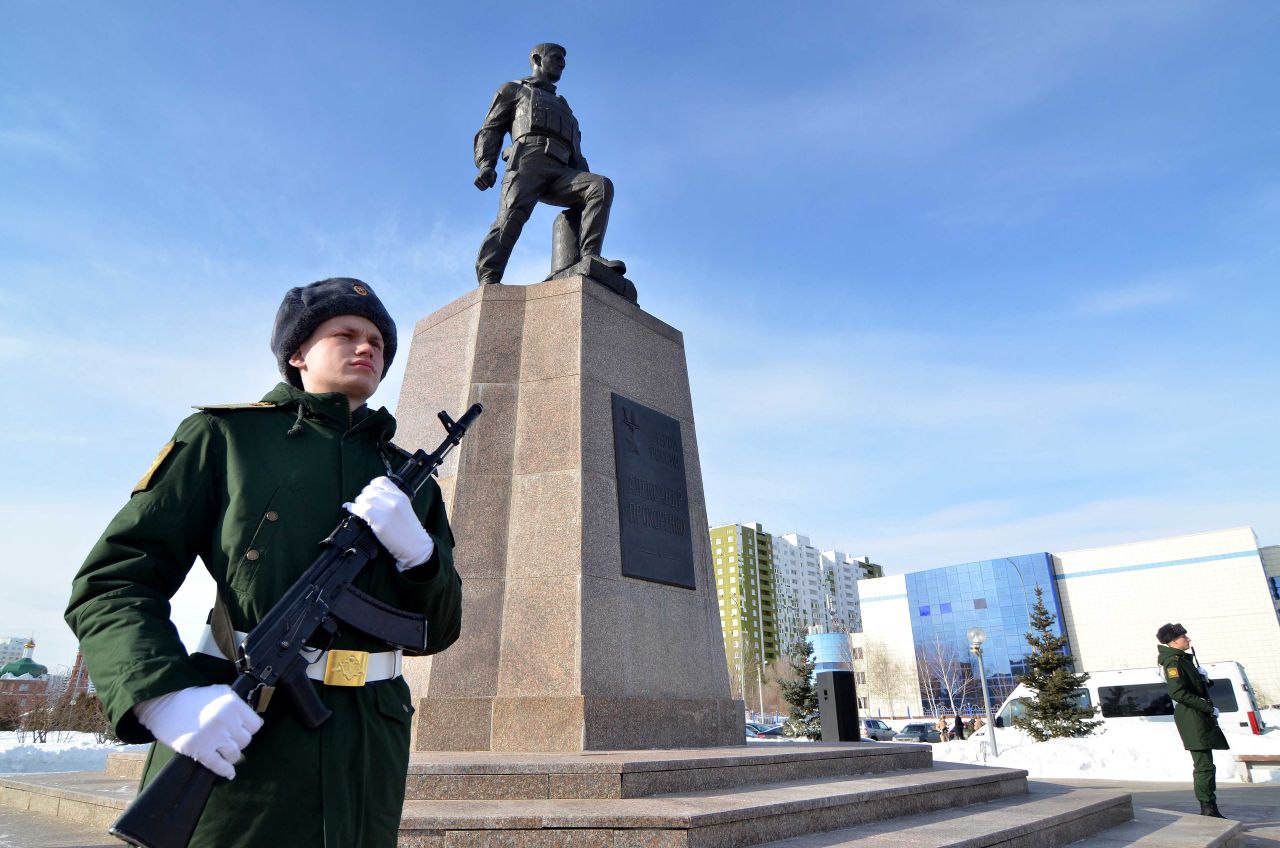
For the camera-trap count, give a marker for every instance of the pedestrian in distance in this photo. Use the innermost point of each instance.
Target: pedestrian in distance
(957, 730)
(1193, 711)
(252, 489)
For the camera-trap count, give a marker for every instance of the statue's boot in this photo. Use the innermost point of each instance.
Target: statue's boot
(615, 265)
(1210, 808)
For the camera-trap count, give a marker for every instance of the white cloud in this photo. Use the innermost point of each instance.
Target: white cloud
(1116, 301)
(931, 540)
(972, 67)
(41, 125)
(910, 447)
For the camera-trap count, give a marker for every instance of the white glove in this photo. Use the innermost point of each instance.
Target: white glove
(1204, 672)
(389, 512)
(1216, 713)
(209, 724)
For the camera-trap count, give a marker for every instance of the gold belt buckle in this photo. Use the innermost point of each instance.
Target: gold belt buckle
(346, 668)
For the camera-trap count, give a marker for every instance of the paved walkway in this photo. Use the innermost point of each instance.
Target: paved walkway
(1255, 804)
(20, 829)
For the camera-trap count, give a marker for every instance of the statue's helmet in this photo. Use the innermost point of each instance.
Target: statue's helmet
(540, 50)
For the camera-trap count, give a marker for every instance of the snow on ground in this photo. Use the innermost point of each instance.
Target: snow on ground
(1134, 749)
(74, 752)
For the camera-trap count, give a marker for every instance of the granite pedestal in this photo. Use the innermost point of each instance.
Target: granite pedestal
(559, 651)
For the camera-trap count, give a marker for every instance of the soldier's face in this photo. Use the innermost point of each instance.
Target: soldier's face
(344, 354)
(1181, 643)
(553, 65)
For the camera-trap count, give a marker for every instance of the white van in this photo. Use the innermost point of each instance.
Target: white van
(1140, 694)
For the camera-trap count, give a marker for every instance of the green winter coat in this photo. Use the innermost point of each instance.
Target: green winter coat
(1192, 710)
(252, 490)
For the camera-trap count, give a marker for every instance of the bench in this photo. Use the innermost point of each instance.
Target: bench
(1251, 760)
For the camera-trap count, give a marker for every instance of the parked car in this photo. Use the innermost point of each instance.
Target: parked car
(774, 732)
(875, 729)
(754, 728)
(919, 732)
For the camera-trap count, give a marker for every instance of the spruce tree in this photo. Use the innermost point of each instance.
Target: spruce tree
(800, 693)
(1053, 710)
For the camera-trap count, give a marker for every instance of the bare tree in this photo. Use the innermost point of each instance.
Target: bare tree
(888, 680)
(775, 673)
(47, 714)
(928, 694)
(735, 677)
(10, 714)
(944, 672)
(752, 675)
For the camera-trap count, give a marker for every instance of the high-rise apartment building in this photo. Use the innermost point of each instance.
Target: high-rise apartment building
(11, 649)
(774, 590)
(817, 591)
(743, 562)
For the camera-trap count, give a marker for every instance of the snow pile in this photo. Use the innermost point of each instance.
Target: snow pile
(79, 752)
(1137, 750)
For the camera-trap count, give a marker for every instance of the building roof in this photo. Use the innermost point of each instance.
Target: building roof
(24, 666)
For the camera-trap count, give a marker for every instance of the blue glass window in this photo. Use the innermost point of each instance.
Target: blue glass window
(995, 594)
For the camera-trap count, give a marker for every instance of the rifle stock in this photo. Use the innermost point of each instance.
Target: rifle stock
(166, 812)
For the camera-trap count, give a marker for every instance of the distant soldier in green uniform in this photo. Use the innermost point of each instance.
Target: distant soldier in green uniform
(1193, 712)
(251, 489)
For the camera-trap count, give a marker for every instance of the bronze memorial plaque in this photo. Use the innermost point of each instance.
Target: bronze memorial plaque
(653, 498)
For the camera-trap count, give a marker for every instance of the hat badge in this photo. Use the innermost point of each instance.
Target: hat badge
(360, 290)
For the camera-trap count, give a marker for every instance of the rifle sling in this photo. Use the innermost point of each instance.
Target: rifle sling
(220, 623)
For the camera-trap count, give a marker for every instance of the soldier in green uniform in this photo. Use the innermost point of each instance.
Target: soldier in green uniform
(251, 489)
(1193, 712)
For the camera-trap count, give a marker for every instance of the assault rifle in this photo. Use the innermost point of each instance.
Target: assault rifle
(274, 653)
(1208, 684)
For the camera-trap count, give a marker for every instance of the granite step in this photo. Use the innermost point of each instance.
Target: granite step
(1040, 819)
(90, 798)
(478, 775)
(1153, 828)
(717, 818)
(126, 765)
(471, 775)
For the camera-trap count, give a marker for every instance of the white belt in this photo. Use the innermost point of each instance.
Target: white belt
(384, 665)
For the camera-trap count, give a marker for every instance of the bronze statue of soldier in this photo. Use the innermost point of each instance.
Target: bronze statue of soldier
(544, 163)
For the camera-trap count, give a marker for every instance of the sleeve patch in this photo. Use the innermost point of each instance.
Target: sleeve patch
(143, 484)
(1173, 672)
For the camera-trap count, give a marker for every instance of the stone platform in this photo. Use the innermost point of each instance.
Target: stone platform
(780, 795)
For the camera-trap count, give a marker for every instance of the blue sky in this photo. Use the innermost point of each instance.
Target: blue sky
(957, 280)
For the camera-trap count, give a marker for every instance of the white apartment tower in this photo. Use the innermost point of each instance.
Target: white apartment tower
(814, 589)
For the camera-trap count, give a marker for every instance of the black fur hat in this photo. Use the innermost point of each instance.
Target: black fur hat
(306, 307)
(1168, 632)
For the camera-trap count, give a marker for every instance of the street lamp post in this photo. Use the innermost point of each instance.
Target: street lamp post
(976, 637)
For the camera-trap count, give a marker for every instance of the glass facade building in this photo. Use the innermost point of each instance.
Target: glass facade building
(996, 595)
